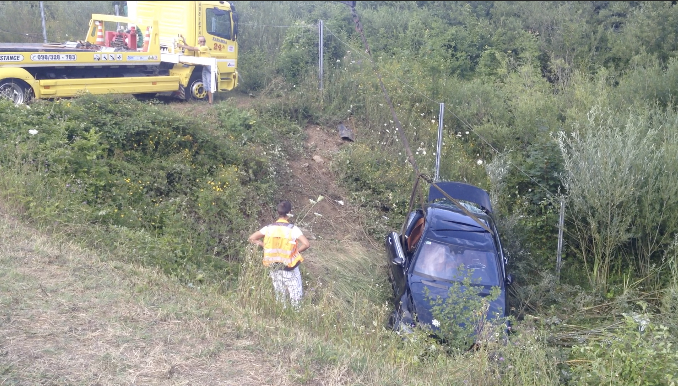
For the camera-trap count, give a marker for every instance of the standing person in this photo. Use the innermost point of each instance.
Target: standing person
(282, 243)
(203, 51)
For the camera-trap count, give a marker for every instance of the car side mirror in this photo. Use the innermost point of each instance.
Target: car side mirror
(509, 279)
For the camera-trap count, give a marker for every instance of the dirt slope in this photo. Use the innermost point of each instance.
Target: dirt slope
(69, 316)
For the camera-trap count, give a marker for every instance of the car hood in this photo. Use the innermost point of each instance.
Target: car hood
(422, 307)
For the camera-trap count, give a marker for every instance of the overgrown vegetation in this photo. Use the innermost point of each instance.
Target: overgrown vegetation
(461, 319)
(180, 193)
(569, 102)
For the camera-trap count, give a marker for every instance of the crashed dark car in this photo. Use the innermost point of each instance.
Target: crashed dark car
(424, 261)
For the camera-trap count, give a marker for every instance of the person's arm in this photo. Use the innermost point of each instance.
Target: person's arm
(255, 238)
(302, 243)
(190, 48)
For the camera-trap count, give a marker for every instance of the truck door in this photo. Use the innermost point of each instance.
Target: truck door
(219, 29)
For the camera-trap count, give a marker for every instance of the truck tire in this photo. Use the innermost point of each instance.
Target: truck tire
(16, 90)
(196, 89)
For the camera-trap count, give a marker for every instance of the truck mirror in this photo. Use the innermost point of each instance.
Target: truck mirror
(219, 12)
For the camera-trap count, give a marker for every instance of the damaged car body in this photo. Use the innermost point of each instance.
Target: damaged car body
(452, 235)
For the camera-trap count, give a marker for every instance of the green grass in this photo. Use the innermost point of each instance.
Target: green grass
(73, 316)
(175, 294)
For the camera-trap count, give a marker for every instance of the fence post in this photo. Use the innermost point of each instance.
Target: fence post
(439, 146)
(117, 13)
(42, 14)
(320, 53)
(561, 224)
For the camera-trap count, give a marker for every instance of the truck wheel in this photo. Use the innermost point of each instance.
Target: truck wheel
(16, 90)
(196, 89)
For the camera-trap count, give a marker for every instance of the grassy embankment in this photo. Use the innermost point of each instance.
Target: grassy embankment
(86, 294)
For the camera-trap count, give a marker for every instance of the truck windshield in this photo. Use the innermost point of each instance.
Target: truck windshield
(219, 23)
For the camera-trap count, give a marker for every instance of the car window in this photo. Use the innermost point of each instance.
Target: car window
(449, 262)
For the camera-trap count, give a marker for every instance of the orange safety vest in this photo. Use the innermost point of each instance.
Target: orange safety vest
(279, 246)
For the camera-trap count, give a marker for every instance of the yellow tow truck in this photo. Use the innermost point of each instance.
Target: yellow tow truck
(100, 64)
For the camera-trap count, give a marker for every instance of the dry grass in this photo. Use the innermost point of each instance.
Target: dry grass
(68, 317)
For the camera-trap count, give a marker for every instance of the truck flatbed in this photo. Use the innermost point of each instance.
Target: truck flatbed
(46, 47)
(33, 47)
(39, 55)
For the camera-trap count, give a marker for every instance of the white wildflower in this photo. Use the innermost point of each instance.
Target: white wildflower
(32, 132)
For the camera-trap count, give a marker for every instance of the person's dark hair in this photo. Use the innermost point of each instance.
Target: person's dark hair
(284, 208)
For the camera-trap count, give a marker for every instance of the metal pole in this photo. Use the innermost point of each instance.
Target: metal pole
(117, 13)
(439, 146)
(42, 14)
(320, 52)
(561, 224)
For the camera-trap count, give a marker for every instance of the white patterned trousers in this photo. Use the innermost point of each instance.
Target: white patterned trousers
(287, 283)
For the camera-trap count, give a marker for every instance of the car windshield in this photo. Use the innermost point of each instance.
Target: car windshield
(448, 262)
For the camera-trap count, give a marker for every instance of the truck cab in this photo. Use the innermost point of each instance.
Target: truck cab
(215, 20)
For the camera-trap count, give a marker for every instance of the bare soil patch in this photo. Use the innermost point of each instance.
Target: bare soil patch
(323, 208)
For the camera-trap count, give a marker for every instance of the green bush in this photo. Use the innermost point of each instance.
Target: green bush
(378, 180)
(462, 317)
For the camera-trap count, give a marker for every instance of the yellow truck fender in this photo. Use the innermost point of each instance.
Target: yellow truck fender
(9, 73)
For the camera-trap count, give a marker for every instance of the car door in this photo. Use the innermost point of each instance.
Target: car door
(397, 262)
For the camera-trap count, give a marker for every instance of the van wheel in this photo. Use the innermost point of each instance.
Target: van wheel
(196, 89)
(16, 90)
